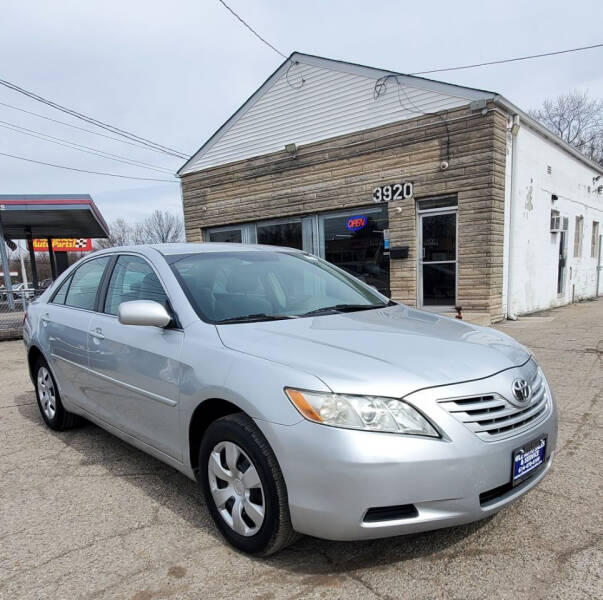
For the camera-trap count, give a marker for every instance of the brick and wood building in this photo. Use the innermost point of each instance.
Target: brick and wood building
(436, 194)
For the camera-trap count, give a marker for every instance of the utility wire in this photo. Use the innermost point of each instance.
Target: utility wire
(257, 35)
(508, 60)
(109, 137)
(39, 162)
(93, 121)
(74, 146)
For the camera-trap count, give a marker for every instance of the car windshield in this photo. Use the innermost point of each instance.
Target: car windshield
(231, 287)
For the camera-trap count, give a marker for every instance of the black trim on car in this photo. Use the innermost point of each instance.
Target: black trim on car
(101, 293)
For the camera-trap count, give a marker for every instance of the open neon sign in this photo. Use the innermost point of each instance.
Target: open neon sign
(356, 223)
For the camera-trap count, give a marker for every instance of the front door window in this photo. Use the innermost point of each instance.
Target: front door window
(437, 258)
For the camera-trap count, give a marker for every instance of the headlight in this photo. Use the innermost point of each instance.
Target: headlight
(372, 413)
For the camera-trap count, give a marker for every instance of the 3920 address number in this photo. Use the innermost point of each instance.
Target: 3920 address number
(394, 191)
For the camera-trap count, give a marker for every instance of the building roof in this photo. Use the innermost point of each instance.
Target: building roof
(56, 215)
(264, 123)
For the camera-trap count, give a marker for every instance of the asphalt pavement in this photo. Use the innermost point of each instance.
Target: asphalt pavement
(84, 515)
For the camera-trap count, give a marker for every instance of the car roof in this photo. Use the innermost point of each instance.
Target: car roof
(198, 248)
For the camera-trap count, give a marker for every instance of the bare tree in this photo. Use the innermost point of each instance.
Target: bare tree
(162, 227)
(158, 228)
(121, 233)
(577, 119)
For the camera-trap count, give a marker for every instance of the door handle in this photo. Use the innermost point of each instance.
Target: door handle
(45, 318)
(97, 333)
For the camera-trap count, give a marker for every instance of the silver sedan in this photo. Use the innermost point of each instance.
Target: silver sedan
(301, 399)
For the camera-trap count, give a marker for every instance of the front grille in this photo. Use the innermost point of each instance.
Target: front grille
(491, 417)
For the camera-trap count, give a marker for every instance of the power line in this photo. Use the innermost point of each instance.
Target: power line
(93, 121)
(508, 60)
(257, 35)
(109, 137)
(74, 146)
(39, 162)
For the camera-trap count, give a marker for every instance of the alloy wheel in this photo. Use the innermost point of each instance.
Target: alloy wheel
(236, 488)
(46, 393)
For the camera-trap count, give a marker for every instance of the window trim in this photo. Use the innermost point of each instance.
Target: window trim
(104, 285)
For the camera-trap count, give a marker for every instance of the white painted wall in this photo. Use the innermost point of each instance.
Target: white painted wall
(533, 255)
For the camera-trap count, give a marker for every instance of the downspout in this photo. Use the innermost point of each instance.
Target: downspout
(512, 203)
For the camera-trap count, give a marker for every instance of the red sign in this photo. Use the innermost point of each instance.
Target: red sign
(64, 245)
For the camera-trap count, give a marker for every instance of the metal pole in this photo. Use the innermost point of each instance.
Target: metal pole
(6, 269)
(22, 261)
(53, 266)
(32, 260)
(599, 265)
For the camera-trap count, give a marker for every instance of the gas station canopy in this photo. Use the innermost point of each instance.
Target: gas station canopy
(46, 216)
(51, 216)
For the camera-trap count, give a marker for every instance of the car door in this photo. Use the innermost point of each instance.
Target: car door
(64, 325)
(136, 368)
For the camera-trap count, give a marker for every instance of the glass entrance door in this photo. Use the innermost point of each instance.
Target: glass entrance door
(437, 259)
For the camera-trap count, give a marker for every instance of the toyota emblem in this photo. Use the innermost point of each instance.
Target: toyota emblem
(522, 392)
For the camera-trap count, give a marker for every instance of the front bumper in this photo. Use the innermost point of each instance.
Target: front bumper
(334, 476)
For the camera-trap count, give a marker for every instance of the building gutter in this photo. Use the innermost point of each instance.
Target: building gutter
(514, 125)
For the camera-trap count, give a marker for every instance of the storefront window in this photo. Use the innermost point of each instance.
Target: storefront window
(354, 241)
(228, 235)
(287, 234)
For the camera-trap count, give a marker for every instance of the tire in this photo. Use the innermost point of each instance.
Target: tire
(49, 399)
(244, 487)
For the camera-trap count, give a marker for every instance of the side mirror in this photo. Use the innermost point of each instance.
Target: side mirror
(143, 312)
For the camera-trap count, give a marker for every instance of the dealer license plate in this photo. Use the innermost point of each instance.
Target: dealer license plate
(528, 458)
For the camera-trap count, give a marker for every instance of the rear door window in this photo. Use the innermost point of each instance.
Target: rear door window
(133, 279)
(85, 283)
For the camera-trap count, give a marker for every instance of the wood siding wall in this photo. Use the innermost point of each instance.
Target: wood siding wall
(342, 172)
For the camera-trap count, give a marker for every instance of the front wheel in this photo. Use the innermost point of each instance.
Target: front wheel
(244, 487)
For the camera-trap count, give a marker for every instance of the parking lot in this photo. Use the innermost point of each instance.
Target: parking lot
(83, 515)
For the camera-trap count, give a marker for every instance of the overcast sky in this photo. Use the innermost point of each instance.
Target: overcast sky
(174, 71)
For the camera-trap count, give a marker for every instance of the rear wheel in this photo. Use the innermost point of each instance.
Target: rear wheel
(244, 487)
(49, 399)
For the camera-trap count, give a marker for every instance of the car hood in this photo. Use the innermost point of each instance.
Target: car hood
(391, 351)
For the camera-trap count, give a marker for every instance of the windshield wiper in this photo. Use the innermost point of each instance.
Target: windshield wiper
(339, 308)
(255, 317)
